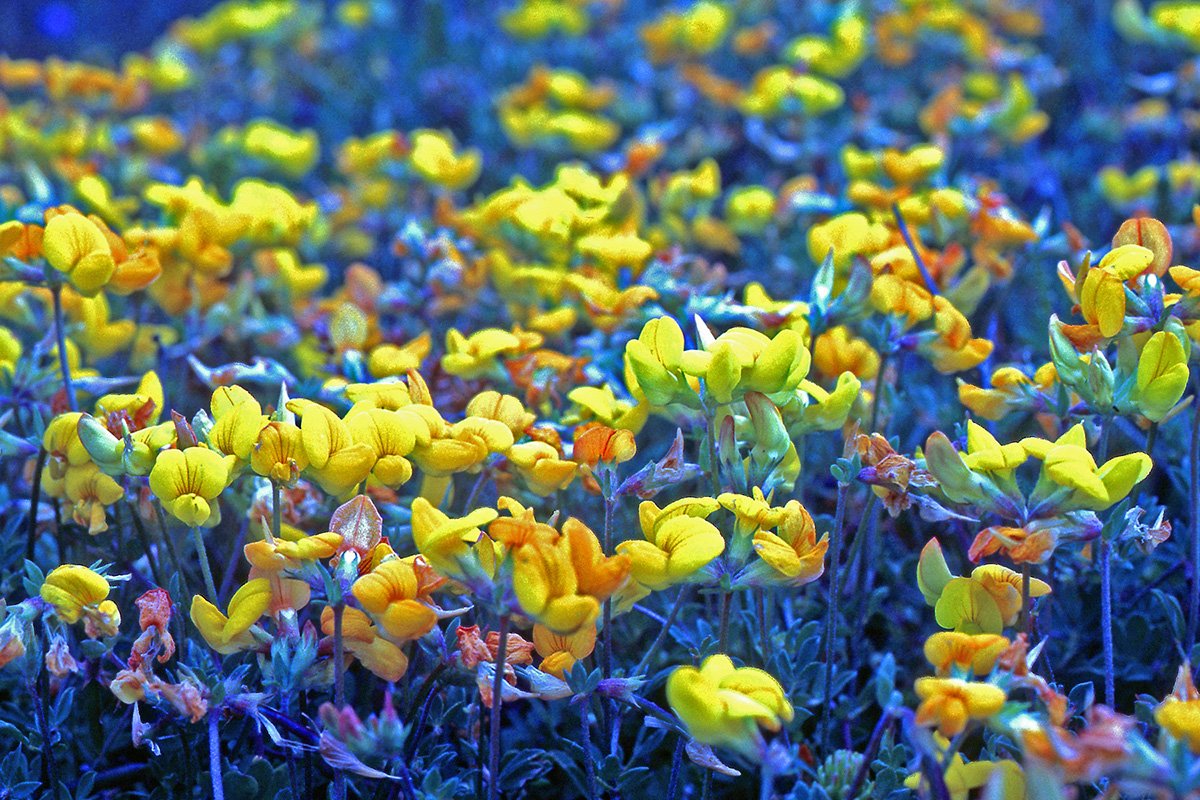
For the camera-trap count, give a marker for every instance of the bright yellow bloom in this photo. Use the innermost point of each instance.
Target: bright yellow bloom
(1102, 295)
(188, 482)
(231, 634)
(1162, 375)
(502, 408)
(448, 545)
(948, 703)
(390, 437)
(90, 490)
(679, 542)
(433, 158)
(544, 577)
(336, 461)
(382, 657)
(542, 467)
(1067, 463)
(744, 360)
(655, 358)
(237, 422)
(560, 653)
(846, 236)
(77, 248)
(793, 552)
(388, 593)
(964, 651)
(71, 588)
(295, 153)
(279, 454)
(724, 705)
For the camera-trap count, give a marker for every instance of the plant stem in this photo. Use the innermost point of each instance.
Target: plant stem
(760, 611)
(293, 775)
(214, 754)
(685, 591)
(202, 555)
(60, 332)
(276, 511)
(884, 357)
(35, 499)
(494, 734)
(39, 709)
(676, 766)
(589, 765)
(144, 538)
(726, 602)
(1106, 619)
(1194, 506)
(339, 687)
(1105, 565)
(885, 722)
(1026, 617)
(835, 550)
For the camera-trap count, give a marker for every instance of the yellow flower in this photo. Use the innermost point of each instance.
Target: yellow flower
(391, 439)
(559, 653)
(1162, 375)
(1066, 463)
(295, 153)
(544, 578)
(433, 158)
(678, 543)
(335, 460)
(1102, 295)
(655, 358)
(948, 703)
(846, 236)
(963, 651)
(448, 545)
(962, 777)
(502, 408)
(71, 588)
(279, 454)
(231, 634)
(724, 705)
(188, 482)
(90, 490)
(360, 637)
(744, 360)
(793, 553)
(237, 422)
(542, 467)
(77, 248)
(386, 360)
(750, 209)
(388, 593)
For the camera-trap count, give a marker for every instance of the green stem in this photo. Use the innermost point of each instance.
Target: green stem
(589, 764)
(835, 551)
(685, 591)
(1105, 565)
(276, 511)
(726, 602)
(884, 357)
(339, 688)
(1106, 619)
(214, 754)
(1026, 616)
(35, 499)
(202, 555)
(760, 611)
(60, 332)
(494, 733)
(1194, 507)
(39, 709)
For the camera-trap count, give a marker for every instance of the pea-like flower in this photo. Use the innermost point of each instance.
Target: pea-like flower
(76, 247)
(450, 545)
(335, 460)
(188, 482)
(793, 554)
(678, 543)
(279, 453)
(725, 705)
(232, 634)
(949, 703)
(388, 593)
(74, 591)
